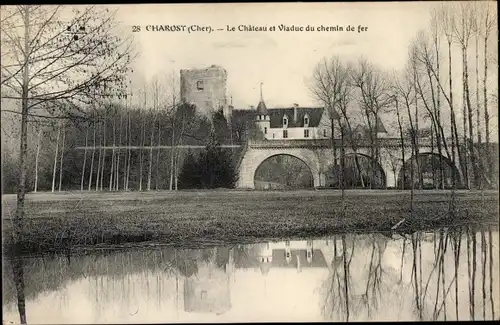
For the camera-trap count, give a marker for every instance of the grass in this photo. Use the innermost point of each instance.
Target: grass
(58, 221)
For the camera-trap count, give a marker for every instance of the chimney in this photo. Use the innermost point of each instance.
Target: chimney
(295, 106)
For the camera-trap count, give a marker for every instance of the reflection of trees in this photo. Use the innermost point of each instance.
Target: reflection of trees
(372, 294)
(338, 295)
(433, 306)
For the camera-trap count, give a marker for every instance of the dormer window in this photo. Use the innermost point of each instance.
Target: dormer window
(285, 121)
(199, 85)
(306, 121)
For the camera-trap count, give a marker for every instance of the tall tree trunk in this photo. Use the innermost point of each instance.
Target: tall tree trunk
(92, 157)
(55, 159)
(117, 178)
(401, 135)
(158, 155)
(62, 155)
(177, 154)
(99, 159)
(470, 119)
(454, 133)
(439, 138)
(342, 170)
(128, 149)
(151, 153)
(105, 126)
(113, 156)
(143, 140)
(84, 158)
(23, 152)
(464, 121)
(486, 113)
(172, 149)
(478, 120)
(129, 153)
(37, 159)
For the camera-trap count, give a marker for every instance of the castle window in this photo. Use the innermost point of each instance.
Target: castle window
(265, 130)
(285, 121)
(306, 120)
(199, 85)
(324, 133)
(306, 133)
(273, 135)
(285, 134)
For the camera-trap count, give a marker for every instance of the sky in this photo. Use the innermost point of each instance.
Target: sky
(282, 61)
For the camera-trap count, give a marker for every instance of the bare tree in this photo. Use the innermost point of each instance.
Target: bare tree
(62, 155)
(331, 84)
(51, 59)
(374, 97)
(55, 159)
(37, 157)
(151, 139)
(97, 180)
(489, 19)
(93, 154)
(463, 29)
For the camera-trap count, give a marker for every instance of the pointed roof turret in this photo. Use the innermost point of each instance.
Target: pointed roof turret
(261, 107)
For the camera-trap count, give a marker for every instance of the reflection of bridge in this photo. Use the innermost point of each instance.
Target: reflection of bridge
(320, 156)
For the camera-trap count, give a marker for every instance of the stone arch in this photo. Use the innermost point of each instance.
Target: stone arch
(253, 158)
(450, 170)
(304, 163)
(380, 173)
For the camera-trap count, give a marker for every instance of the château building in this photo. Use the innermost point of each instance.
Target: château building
(206, 89)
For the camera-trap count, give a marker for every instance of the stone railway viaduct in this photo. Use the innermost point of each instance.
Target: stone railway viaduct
(318, 155)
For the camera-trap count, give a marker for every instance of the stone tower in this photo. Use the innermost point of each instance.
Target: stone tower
(205, 88)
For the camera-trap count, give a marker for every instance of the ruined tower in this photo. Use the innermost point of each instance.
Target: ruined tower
(205, 88)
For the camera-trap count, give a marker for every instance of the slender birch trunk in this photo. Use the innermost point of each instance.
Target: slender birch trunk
(143, 139)
(478, 119)
(55, 159)
(151, 151)
(113, 156)
(92, 157)
(105, 126)
(62, 155)
(172, 149)
(99, 159)
(129, 152)
(84, 158)
(125, 153)
(37, 159)
(158, 155)
(117, 178)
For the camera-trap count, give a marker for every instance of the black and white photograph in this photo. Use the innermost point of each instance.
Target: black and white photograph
(249, 162)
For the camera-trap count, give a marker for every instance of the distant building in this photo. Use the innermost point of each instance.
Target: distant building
(206, 88)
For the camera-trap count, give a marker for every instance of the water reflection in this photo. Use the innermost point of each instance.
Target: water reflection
(443, 275)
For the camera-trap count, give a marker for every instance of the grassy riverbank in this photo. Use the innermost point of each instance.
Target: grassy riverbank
(72, 219)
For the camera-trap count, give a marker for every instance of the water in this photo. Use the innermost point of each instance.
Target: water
(339, 278)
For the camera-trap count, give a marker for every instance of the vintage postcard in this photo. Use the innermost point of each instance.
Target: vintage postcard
(249, 162)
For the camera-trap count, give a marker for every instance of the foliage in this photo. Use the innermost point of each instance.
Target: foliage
(214, 167)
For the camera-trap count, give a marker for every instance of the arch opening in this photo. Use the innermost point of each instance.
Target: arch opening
(430, 171)
(360, 171)
(283, 171)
